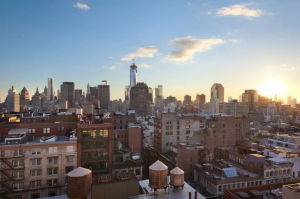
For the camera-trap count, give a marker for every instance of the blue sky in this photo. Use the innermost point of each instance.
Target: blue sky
(186, 46)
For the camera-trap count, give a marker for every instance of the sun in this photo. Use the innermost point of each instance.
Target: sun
(270, 88)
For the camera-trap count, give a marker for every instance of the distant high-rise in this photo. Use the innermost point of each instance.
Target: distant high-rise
(187, 100)
(156, 92)
(104, 94)
(251, 98)
(88, 90)
(214, 105)
(150, 94)
(294, 102)
(78, 95)
(275, 97)
(24, 97)
(217, 90)
(240, 98)
(289, 100)
(127, 93)
(202, 101)
(229, 99)
(50, 92)
(139, 98)
(13, 100)
(67, 92)
(46, 91)
(58, 94)
(133, 74)
(160, 90)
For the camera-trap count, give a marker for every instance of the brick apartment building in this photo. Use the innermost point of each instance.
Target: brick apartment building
(95, 147)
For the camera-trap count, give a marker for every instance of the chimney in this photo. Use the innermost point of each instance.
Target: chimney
(190, 195)
(195, 194)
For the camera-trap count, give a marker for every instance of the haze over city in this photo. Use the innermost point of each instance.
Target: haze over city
(186, 46)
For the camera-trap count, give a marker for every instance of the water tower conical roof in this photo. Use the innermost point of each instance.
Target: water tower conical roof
(79, 172)
(158, 166)
(176, 171)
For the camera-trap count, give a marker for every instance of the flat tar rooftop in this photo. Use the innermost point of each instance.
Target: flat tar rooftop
(170, 193)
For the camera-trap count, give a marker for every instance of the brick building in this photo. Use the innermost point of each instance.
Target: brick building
(139, 98)
(95, 147)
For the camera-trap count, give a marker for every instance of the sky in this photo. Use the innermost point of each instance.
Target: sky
(186, 46)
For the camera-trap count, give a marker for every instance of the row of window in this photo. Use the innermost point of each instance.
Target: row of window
(238, 185)
(122, 136)
(186, 126)
(276, 173)
(178, 133)
(98, 133)
(46, 130)
(34, 151)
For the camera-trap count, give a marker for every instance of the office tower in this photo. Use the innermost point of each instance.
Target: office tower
(236, 108)
(160, 90)
(271, 111)
(202, 101)
(139, 98)
(45, 91)
(156, 92)
(214, 105)
(150, 93)
(58, 94)
(67, 90)
(158, 102)
(240, 98)
(229, 99)
(251, 98)
(24, 97)
(104, 94)
(78, 95)
(50, 93)
(187, 100)
(13, 100)
(198, 98)
(294, 102)
(217, 90)
(127, 93)
(133, 74)
(88, 90)
(94, 92)
(289, 100)
(275, 97)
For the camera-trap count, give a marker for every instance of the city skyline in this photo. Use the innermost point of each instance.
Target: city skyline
(239, 44)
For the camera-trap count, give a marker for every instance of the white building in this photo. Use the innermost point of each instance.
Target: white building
(13, 100)
(271, 111)
(235, 108)
(214, 105)
(291, 143)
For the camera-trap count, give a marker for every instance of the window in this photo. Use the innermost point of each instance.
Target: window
(178, 133)
(120, 127)
(52, 171)
(18, 174)
(137, 172)
(191, 159)
(35, 184)
(171, 127)
(121, 136)
(187, 126)
(32, 131)
(60, 129)
(52, 149)
(18, 186)
(46, 130)
(36, 151)
(187, 121)
(2, 177)
(288, 171)
(267, 174)
(201, 126)
(36, 162)
(178, 122)
(219, 188)
(18, 163)
(223, 125)
(167, 128)
(178, 138)
(69, 159)
(68, 169)
(2, 154)
(167, 143)
(35, 173)
(52, 160)
(18, 153)
(187, 132)
(51, 193)
(70, 148)
(171, 133)
(167, 133)
(52, 182)
(120, 121)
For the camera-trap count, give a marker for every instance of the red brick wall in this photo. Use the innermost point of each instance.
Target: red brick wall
(123, 133)
(184, 161)
(134, 139)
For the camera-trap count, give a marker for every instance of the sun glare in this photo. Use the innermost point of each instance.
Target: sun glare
(270, 88)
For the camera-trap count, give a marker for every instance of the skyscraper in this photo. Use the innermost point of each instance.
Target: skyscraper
(24, 97)
(275, 97)
(294, 102)
(50, 92)
(104, 94)
(217, 90)
(133, 74)
(214, 105)
(187, 100)
(139, 98)
(251, 98)
(67, 91)
(229, 99)
(13, 100)
(289, 100)
(160, 90)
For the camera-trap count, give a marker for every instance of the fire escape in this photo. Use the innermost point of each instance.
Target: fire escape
(8, 164)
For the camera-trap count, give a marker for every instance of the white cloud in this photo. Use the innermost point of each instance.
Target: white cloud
(81, 6)
(143, 65)
(240, 10)
(112, 67)
(104, 67)
(189, 4)
(209, 13)
(147, 51)
(111, 57)
(189, 45)
(235, 41)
